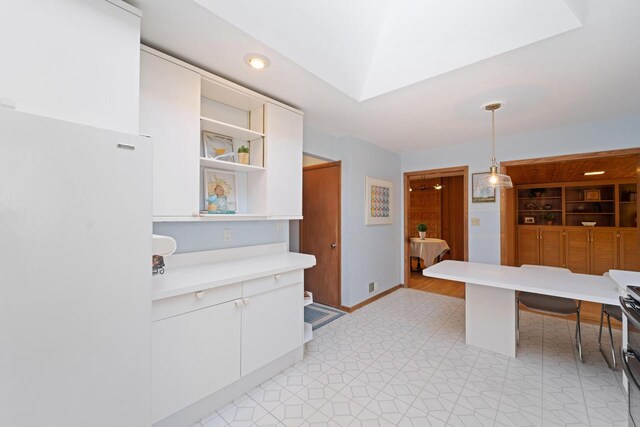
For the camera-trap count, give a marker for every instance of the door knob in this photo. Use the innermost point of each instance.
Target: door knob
(333, 246)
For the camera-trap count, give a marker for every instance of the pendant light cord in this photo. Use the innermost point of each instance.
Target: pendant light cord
(493, 137)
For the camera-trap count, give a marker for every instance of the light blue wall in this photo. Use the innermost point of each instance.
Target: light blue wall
(484, 240)
(209, 235)
(369, 253)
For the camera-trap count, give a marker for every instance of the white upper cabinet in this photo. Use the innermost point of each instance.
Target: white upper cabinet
(199, 122)
(283, 129)
(169, 113)
(73, 60)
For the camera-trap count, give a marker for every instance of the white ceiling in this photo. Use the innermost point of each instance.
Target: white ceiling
(365, 48)
(326, 55)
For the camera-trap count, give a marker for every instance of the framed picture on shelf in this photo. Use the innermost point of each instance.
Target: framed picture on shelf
(529, 220)
(220, 196)
(592, 194)
(482, 194)
(215, 145)
(378, 201)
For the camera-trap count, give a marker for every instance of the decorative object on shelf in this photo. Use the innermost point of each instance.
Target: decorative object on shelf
(530, 205)
(579, 208)
(422, 230)
(494, 179)
(633, 196)
(220, 192)
(550, 217)
(547, 206)
(157, 264)
(379, 201)
(592, 194)
(596, 207)
(529, 220)
(538, 192)
(588, 223)
(243, 155)
(215, 146)
(482, 194)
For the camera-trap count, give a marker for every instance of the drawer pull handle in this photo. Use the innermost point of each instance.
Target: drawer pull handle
(238, 303)
(199, 294)
(246, 300)
(277, 276)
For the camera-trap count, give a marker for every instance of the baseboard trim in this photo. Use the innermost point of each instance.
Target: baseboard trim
(370, 300)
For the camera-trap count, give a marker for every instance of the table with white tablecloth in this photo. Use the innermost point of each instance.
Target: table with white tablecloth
(428, 249)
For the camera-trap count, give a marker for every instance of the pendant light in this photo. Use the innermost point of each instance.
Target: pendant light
(494, 179)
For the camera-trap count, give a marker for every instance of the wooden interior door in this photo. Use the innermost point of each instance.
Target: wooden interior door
(528, 246)
(577, 250)
(320, 231)
(551, 247)
(604, 250)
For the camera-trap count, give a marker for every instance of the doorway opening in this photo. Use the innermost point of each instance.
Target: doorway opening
(437, 198)
(320, 230)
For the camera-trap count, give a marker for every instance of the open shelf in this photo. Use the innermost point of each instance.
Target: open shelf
(213, 217)
(308, 332)
(226, 129)
(229, 166)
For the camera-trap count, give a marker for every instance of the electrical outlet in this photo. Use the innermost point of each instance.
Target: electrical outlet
(475, 221)
(279, 225)
(227, 234)
(373, 286)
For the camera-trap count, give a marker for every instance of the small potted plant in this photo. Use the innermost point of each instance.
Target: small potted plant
(243, 155)
(422, 230)
(550, 217)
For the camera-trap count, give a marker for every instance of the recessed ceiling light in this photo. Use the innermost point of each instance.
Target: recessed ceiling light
(594, 173)
(257, 61)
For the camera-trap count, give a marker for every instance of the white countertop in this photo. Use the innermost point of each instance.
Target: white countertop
(192, 278)
(584, 287)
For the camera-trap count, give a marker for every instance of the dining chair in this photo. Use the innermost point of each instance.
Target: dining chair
(551, 305)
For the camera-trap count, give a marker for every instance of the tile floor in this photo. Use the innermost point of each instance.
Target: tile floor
(402, 361)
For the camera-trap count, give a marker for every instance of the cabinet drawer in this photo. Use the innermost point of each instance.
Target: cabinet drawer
(269, 283)
(164, 308)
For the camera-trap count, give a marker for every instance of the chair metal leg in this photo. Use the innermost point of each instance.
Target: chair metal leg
(517, 321)
(613, 347)
(611, 364)
(579, 333)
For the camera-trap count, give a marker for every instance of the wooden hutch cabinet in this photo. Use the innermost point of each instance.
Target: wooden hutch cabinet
(550, 229)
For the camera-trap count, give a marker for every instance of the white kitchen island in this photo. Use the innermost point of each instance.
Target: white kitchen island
(490, 294)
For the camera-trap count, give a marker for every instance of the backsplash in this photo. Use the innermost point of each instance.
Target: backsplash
(209, 235)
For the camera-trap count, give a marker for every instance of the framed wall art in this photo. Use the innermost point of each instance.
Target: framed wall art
(378, 201)
(482, 194)
(220, 195)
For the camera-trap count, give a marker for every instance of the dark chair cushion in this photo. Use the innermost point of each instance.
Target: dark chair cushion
(613, 311)
(547, 303)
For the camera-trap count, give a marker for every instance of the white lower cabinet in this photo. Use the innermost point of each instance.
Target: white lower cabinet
(193, 355)
(198, 351)
(272, 326)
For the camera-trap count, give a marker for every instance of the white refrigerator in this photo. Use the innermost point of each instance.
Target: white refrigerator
(75, 274)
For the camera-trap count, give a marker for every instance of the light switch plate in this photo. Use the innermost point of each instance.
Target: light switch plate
(475, 221)
(227, 234)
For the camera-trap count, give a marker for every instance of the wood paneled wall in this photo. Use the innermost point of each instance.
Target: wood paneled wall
(452, 217)
(425, 207)
(442, 211)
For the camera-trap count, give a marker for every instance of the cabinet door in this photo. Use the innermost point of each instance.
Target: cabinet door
(528, 246)
(272, 326)
(551, 247)
(604, 251)
(169, 113)
(194, 355)
(283, 129)
(577, 250)
(629, 255)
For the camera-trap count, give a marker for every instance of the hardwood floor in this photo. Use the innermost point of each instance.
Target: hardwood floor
(590, 312)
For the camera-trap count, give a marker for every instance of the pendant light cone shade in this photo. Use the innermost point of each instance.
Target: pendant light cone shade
(494, 179)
